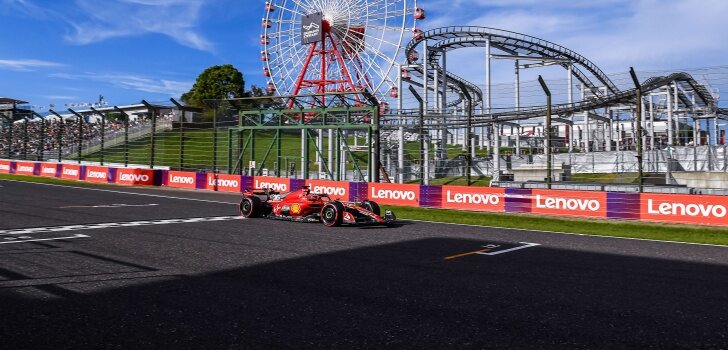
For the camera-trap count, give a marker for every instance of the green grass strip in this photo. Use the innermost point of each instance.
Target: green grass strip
(662, 232)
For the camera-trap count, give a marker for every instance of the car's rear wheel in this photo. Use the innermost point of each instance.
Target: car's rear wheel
(250, 207)
(371, 206)
(332, 214)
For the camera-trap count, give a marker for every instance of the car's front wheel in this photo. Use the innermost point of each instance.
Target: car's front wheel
(372, 206)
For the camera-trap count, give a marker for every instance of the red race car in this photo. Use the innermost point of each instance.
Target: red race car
(304, 206)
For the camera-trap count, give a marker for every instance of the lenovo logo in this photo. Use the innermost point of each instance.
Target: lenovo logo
(567, 203)
(96, 174)
(5, 167)
(392, 194)
(330, 190)
(271, 185)
(25, 169)
(222, 183)
(472, 198)
(70, 172)
(693, 210)
(134, 177)
(188, 180)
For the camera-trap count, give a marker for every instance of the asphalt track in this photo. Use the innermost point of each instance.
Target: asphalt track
(110, 267)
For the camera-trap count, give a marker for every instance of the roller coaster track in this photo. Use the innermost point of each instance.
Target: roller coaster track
(451, 38)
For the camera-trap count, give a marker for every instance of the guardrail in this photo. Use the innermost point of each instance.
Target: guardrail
(654, 207)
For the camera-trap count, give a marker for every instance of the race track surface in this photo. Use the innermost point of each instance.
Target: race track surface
(114, 267)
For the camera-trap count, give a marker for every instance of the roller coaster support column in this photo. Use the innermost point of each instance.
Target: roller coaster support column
(610, 113)
(638, 125)
(518, 107)
(437, 107)
(670, 140)
(652, 123)
(443, 100)
(587, 132)
(570, 90)
(468, 132)
(422, 134)
(487, 88)
(400, 145)
(547, 131)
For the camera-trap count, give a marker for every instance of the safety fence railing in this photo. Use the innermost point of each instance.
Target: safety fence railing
(435, 154)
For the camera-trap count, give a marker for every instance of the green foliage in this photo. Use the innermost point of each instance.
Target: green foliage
(216, 82)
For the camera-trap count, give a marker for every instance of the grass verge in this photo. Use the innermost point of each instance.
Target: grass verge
(662, 232)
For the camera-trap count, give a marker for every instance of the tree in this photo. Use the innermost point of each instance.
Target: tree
(216, 82)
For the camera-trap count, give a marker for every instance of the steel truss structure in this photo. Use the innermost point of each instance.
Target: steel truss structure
(336, 113)
(601, 105)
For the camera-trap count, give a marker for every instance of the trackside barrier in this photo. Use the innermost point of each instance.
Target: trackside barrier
(27, 168)
(50, 170)
(137, 177)
(98, 174)
(72, 172)
(6, 167)
(184, 179)
(669, 208)
(223, 183)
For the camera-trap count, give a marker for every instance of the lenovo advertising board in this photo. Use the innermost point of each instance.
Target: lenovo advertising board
(99, 174)
(312, 30)
(130, 177)
(71, 171)
(569, 203)
(335, 189)
(223, 182)
(5, 166)
(50, 169)
(26, 168)
(181, 179)
(689, 209)
(395, 194)
(280, 184)
(474, 198)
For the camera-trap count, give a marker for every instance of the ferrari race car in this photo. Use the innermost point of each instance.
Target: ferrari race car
(304, 206)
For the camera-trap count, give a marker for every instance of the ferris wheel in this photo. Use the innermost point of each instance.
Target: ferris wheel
(320, 46)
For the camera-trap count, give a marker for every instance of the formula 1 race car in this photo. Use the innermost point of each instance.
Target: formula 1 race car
(304, 206)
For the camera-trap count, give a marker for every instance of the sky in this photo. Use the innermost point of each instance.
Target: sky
(71, 51)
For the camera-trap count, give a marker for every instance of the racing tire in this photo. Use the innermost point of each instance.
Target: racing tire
(371, 206)
(332, 214)
(251, 207)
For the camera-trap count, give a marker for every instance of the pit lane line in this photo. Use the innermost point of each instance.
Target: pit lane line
(425, 221)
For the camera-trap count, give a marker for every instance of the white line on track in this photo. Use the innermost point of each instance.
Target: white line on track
(426, 221)
(122, 192)
(527, 245)
(24, 231)
(45, 239)
(109, 206)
